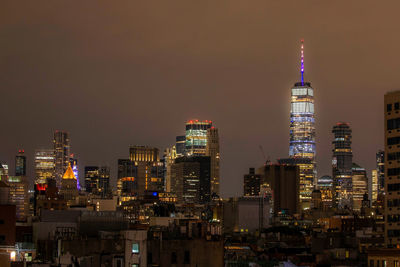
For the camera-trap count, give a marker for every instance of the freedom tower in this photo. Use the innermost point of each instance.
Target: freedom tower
(302, 135)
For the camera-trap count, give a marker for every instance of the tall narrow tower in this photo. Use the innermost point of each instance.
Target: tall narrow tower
(302, 134)
(342, 163)
(212, 150)
(61, 154)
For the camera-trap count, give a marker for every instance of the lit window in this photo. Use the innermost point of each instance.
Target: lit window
(135, 248)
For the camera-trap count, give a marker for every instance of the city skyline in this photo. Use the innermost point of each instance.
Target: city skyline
(255, 75)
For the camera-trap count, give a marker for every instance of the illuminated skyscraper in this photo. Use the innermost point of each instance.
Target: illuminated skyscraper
(212, 151)
(20, 163)
(18, 194)
(44, 165)
(61, 153)
(69, 188)
(302, 133)
(380, 169)
(170, 154)
(360, 185)
(150, 170)
(74, 165)
(342, 162)
(196, 137)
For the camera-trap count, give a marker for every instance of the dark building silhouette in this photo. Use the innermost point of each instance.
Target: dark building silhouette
(20, 163)
(284, 182)
(251, 183)
(190, 178)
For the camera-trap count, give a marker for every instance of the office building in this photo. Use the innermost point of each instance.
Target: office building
(180, 145)
(97, 180)
(3, 171)
(380, 168)
(191, 179)
(104, 189)
(20, 163)
(212, 151)
(373, 193)
(61, 154)
(170, 154)
(306, 182)
(251, 183)
(360, 185)
(325, 184)
(196, 137)
(18, 194)
(284, 181)
(342, 162)
(74, 165)
(69, 186)
(302, 133)
(92, 174)
(392, 169)
(150, 170)
(44, 165)
(127, 175)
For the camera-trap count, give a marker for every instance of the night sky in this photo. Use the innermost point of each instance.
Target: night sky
(132, 72)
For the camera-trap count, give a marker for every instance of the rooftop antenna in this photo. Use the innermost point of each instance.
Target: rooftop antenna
(302, 62)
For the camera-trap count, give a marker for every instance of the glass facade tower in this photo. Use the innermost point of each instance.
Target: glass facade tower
(302, 134)
(196, 137)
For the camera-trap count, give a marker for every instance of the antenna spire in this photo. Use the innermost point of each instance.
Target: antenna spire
(302, 62)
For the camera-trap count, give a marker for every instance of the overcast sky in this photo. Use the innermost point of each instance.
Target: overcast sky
(132, 72)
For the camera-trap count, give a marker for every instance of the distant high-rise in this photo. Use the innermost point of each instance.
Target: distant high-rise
(324, 185)
(380, 169)
(306, 181)
(196, 137)
(212, 151)
(360, 185)
(180, 145)
(18, 194)
(61, 153)
(104, 189)
(170, 154)
(92, 175)
(20, 163)
(251, 183)
(342, 162)
(74, 165)
(191, 179)
(392, 169)
(374, 186)
(44, 165)
(302, 132)
(284, 182)
(127, 177)
(69, 187)
(150, 170)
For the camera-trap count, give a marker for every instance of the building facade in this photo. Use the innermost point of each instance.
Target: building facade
(20, 163)
(342, 162)
(251, 183)
(360, 185)
(302, 133)
(18, 194)
(44, 165)
(191, 179)
(392, 169)
(212, 151)
(61, 154)
(196, 137)
(284, 181)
